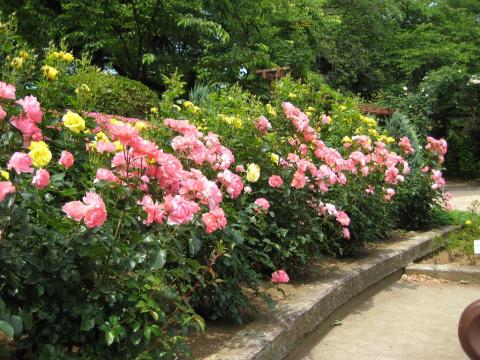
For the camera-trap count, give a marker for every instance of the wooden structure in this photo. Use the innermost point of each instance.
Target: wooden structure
(273, 74)
(375, 110)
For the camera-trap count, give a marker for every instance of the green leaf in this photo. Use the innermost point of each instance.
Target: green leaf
(159, 260)
(109, 337)
(6, 328)
(87, 324)
(194, 245)
(17, 324)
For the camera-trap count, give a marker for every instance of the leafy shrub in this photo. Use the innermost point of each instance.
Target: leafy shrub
(115, 94)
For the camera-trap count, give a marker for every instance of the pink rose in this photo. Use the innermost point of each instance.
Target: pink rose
(214, 220)
(240, 168)
(346, 233)
(41, 179)
(105, 175)
(232, 182)
(75, 210)
(21, 163)
(389, 195)
(263, 125)
(154, 211)
(280, 276)
(126, 134)
(102, 147)
(31, 106)
(95, 212)
(326, 119)
(143, 147)
(262, 204)
(342, 218)
(275, 181)
(28, 128)
(3, 114)
(92, 210)
(66, 159)
(6, 187)
(180, 210)
(7, 91)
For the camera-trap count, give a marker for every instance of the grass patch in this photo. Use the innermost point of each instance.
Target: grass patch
(459, 244)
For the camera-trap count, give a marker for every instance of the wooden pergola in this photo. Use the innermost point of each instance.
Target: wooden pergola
(273, 74)
(375, 110)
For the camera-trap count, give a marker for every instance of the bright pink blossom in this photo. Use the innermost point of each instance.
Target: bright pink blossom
(21, 163)
(92, 210)
(342, 218)
(280, 276)
(262, 204)
(6, 187)
(106, 175)
(214, 220)
(41, 179)
(155, 211)
(275, 181)
(346, 233)
(95, 212)
(75, 210)
(31, 106)
(232, 182)
(7, 91)
(66, 159)
(180, 210)
(263, 125)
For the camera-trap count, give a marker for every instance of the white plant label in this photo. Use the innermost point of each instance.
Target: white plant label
(476, 246)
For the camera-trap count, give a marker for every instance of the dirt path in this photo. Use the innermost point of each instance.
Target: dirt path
(405, 321)
(464, 193)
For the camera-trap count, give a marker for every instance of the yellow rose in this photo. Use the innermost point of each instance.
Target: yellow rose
(24, 55)
(292, 95)
(188, 104)
(238, 123)
(140, 125)
(39, 153)
(101, 137)
(275, 158)
(468, 222)
(50, 73)
(68, 57)
(73, 122)
(390, 140)
(154, 110)
(346, 139)
(5, 174)
(118, 146)
(271, 110)
(17, 62)
(253, 172)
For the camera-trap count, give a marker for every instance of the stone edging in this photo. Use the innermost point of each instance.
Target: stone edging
(299, 315)
(456, 273)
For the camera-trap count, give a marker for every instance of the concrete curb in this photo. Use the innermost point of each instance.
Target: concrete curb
(275, 335)
(448, 272)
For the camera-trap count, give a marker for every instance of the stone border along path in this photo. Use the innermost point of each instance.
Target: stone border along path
(457, 273)
(274, 337)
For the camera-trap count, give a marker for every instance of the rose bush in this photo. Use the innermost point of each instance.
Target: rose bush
(118, 233)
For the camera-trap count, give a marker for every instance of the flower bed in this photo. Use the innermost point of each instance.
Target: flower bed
(120, 234)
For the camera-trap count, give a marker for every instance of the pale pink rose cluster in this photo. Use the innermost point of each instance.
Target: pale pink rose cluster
(263, 125)
(92, 210)
(437, 147)
(142, 163)
(198, 147)
(406, 146)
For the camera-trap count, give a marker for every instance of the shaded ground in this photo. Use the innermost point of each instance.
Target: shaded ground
(414, 320)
